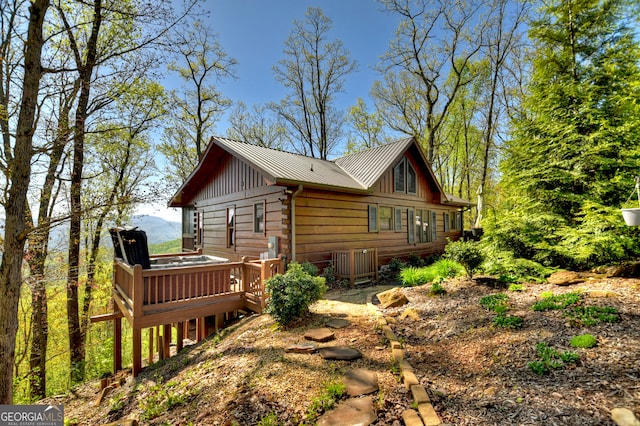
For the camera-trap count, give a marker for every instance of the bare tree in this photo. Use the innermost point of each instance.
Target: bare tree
(313, 70)
(202, 62)
(425, 64)
(18, 173)
(257, 126)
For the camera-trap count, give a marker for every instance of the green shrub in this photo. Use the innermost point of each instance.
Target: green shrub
(290, 295)
(329, 274)
(584, 341)
(466, 253)
(310, 268)
(510, 269)
(553, 302)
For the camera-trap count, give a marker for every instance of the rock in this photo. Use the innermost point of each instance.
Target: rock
(354, 411)
(340, 353)
(410, 313)
(360, 381)
(338, 323)
(123, 422)
(301, 349)
(319, 335)
(624, 417)
(601, 293)
(411, 418)
(392, 298)
(564, 278)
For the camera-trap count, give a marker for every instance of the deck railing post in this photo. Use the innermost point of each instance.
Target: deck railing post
(117, 345)
(352, 267)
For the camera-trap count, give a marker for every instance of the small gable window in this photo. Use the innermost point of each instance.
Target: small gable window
(405, 178)
(399, 177)
(411, 179)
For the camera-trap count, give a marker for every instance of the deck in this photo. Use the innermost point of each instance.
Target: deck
(173, 296)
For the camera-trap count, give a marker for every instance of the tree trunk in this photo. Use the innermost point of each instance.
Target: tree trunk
(20, 175)
(76, 335)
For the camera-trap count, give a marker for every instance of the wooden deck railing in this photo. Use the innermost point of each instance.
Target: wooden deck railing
(355, 264)
(154, 297)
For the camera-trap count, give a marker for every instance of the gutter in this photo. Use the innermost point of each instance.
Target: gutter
(293, 220)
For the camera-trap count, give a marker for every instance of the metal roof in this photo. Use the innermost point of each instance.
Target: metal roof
(352, 173)
(367, 166)
(285, 167)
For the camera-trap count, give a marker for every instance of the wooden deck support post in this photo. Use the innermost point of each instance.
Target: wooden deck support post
(180, 336)
(137, 350)
(166, 340)
(150, 333)
(138, 299)
(117, 344)
(352, 267)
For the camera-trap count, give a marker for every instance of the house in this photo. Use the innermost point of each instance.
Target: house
(246, 200)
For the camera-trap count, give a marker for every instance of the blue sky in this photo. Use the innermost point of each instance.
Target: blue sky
(254, 32)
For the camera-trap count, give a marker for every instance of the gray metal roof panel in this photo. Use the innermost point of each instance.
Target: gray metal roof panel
(288, 167)
(367, 166)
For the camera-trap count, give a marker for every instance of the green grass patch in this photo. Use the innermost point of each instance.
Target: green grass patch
(584, 341)
(586, 316)
(517, 287)
(438, 271)
(552, 302)
(331, 393)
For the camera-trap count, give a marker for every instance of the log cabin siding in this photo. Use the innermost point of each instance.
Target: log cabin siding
(238, 185)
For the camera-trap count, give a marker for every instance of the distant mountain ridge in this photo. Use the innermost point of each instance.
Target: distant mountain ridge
(158, 230)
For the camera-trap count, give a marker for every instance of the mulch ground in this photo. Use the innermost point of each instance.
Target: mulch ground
(478, 374)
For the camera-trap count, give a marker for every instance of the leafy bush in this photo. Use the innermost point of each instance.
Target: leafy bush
(510, 269)
(290, 294)
(517, 287)
(329, 274)
(310, 268)
(583, 341)
(466, 253)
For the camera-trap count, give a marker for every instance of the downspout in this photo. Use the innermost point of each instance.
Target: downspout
(293, 222)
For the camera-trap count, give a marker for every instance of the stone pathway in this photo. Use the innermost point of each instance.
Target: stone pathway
(359, 383)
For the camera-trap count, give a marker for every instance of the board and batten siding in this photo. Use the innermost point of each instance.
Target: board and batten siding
(237, 185)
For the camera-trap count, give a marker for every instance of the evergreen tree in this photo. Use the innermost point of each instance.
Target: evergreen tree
(575, 148)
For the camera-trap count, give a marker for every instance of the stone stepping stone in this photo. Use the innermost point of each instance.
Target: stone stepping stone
(338, 323)
(360, 381)
(343, 353)
(301, 349)
(352, 412)
(319, 335)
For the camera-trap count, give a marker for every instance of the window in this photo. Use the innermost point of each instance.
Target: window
(231, 226)
(398, 219)
(422, 226)
(455, 221)
(258, 218)
(373, 218)
(199, 218)
(434, 231)
(447, 223)
(412, 179)
(411, 220)
(188, 220)
(399, 177)
(386, 218)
